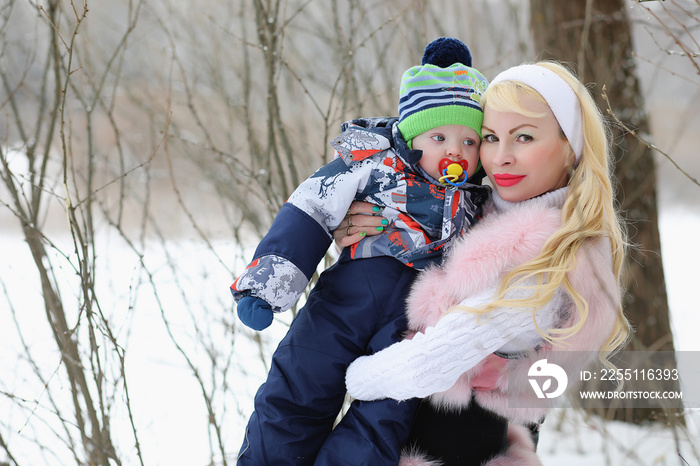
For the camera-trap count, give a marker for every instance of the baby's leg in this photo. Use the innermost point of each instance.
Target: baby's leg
(296, 407)
(374, 432)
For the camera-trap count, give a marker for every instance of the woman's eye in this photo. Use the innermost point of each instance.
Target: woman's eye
(524, 138)
(490, 138)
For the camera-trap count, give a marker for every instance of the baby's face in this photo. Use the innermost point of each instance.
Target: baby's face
(456, 143)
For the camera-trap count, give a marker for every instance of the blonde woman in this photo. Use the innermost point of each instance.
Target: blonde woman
(538, 278)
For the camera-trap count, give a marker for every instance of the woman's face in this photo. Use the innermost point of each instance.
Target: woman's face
(524, 156)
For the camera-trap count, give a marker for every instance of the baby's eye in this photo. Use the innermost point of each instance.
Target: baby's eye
(469, 142)
(438, 137)
(490, 138)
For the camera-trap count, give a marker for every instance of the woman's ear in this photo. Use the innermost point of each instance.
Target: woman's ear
(570, 157)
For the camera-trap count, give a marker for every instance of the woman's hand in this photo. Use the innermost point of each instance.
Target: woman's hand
(363, 219)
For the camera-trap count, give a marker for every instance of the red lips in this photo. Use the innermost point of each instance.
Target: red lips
(504, 179)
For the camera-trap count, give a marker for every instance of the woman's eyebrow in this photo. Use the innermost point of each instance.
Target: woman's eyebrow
(518, 127)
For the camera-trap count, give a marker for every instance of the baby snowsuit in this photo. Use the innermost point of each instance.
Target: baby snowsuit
(357, 306)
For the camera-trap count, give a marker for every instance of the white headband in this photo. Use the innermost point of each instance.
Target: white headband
(560, 97)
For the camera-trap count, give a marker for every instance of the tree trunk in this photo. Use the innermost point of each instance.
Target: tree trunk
(595, 37)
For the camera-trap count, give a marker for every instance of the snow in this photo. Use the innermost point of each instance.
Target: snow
(575, 441)
(168, 302)
(679, 226)
(169, 410)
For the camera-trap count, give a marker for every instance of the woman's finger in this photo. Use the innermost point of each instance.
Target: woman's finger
(346, 241)
(361, 207)
(360, 224)
(363, 219)
(364, 222)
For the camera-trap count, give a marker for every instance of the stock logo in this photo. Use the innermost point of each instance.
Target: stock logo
(547, 371)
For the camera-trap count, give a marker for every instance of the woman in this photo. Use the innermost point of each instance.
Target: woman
(538, 278)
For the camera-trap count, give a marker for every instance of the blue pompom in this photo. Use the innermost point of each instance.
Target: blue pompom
(446, 51)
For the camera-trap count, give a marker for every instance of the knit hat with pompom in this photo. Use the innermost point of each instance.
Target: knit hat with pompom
(443, 90)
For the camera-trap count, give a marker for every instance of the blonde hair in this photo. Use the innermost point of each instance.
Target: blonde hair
(589, 212)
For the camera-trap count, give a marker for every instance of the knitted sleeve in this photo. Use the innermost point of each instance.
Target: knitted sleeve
(433, 361)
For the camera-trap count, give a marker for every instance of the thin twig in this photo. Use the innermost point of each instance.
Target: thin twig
(649, 145)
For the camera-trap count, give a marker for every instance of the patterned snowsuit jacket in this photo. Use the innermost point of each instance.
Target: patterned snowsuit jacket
(372, 163)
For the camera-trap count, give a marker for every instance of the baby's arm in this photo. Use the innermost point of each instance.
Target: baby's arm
(288, 255)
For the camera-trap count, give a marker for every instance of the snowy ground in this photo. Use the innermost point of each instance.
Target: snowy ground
(168, 403)
(578, 442)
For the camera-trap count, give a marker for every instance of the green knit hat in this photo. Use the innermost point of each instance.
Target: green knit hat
(432, 96)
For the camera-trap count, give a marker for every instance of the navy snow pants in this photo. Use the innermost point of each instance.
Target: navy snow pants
(357, 308)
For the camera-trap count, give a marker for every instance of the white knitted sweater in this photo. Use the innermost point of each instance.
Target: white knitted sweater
(432, 361)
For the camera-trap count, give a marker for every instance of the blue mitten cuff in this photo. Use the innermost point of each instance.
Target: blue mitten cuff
(254, 312)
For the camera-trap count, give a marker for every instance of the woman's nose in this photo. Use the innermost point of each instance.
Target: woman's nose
(503, 155)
